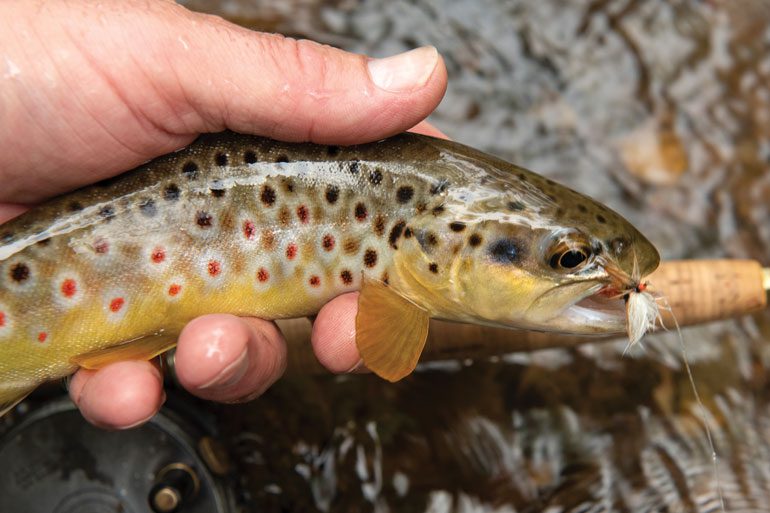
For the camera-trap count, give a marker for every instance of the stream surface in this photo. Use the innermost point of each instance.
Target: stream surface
(661, 110)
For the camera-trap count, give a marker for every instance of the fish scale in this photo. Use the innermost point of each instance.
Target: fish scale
(250, 226)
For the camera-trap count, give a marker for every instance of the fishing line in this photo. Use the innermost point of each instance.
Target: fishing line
(643, 307)
(701, 406)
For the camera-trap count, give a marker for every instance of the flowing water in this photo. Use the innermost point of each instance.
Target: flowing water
(660, 110)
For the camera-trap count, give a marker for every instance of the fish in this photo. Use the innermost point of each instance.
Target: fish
(422, 227)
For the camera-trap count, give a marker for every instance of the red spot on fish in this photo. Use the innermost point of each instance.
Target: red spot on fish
(42, 337)
(2, 319)
(328, 242)
(249, 230)
(116, 304)
(158, 255)
(214, 268)
(291, 251)
(263, 275)
(174, 289)
(303, 214)
(69, 287)
(101, 247)
(314, 281)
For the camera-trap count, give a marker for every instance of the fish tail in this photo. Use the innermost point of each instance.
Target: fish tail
(10, 396)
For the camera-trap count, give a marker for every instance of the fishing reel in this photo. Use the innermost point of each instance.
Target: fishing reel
(54, 461)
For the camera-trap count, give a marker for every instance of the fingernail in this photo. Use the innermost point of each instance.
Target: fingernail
(404, 72)
(231, 374)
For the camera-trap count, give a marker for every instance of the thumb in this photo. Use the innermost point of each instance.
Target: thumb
(130, 80)
(297, 90)
(304, 91)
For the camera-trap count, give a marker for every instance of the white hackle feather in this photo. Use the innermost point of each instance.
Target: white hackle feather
(642, 313)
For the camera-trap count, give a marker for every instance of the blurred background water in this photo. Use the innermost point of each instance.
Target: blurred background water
(660, 110)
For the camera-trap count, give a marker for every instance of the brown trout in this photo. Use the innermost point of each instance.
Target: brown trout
(250, 226)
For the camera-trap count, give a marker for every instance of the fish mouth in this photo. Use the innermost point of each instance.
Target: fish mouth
(586, 307)
(597, 311)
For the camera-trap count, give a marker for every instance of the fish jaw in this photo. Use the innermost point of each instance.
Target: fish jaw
(596, 314)
(578, 308)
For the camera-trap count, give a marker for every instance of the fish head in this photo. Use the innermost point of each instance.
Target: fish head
(561, 265)
(562, 278)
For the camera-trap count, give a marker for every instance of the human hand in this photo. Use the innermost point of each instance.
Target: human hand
(92, 89)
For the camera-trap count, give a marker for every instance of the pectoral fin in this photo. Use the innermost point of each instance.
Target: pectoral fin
(390, 331)
(144, 348)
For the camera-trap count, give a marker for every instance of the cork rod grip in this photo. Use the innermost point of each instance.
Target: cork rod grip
(701, 291)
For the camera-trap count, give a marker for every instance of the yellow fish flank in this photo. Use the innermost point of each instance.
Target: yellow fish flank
(250, 226)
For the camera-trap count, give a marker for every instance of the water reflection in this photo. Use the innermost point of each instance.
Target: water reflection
(659, 109)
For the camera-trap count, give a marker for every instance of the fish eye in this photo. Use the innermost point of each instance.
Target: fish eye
(569, 259)
(569, 255)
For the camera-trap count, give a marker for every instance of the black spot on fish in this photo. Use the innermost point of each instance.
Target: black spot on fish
(404, 194)
(370, 258)
(354, 167)
(474, 240)
(523, 177)
(438, 210)
(346, 277)
(221, 159)
(457, 226)
(375, 177)
(408, 233)
(171, 193)
(75, 206)
(20, 272)
(332, 194)
(582, 208)
(147, 207)
(439, 187)
(288, 184)
(250, 157)
(204, 219)
(190, 170)
(395, 233)
(107, 212)
(282, 158)
(600, 218)
(267, 196)
(360, 212)
(217, 192)
(427, 240)
(332, 151)
(433, 267)
(505, 251)
(516, 206)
